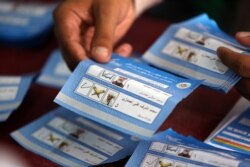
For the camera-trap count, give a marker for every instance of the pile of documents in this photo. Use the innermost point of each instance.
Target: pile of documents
(169, 149)
(71, 140)
(25, 24)
(12, 92)
(55, 72)
(233, 133)
(107, 109)
(189, 49)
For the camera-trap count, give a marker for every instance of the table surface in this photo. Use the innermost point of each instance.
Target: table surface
(196, 115)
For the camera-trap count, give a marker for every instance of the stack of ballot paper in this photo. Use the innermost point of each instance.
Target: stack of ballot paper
(24, 24)
(233, 133)
(71, 140)
(55, 72)
(12, 92)
(107, 108)
(169, 149)
(189, 49)
(124, 94)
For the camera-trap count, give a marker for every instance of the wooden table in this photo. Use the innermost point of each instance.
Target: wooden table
(197, 115)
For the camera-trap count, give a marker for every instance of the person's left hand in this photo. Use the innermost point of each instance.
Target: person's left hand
(239, 63)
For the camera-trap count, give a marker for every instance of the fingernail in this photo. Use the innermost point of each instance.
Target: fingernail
(243, 34)
(100, 52)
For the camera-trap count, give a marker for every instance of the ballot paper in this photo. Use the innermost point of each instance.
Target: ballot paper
(234, 131)
(25, 23)
(55, 72)
(189, 49)
(12, 92)
(169, 149)
(71, 140)
(124, 94)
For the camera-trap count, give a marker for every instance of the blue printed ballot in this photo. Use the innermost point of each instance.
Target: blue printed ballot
(189, 49)
(124, 94)
(171, 149)
(24, 23)
(12, 92)
(234, 133)
(55, 73)
(71, 140)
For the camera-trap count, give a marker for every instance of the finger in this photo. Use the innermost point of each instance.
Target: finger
(105, 24)
(124, 25)
(73, 55)
(243, 38)
(67, 30)
(243, 87)
(239, 63)
(124, 50)
(87, 38)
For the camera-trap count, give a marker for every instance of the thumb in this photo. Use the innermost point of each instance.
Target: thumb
(239, 63)
(243, 38)
(106, 18)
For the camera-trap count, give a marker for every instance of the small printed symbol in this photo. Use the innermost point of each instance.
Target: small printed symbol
(97, 91)
(191, 57)
(110, 98)
(77, 133)
(185, 153)
(120, 81)
(63, 145)
(181, 50)
(107, 75)
(183, 85)
(85, 85)
(165, 164)
(193, 36)
(53, 138)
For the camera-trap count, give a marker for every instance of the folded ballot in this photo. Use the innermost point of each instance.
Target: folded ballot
(12, 92)
(233, 133)
(24, 23)
(169, 149)
(124, 94)
(189, 49)
(55, 72)
(71, 140)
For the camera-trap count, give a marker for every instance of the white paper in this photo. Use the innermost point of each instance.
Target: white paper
(195, 56)
(9, 80)
(8, 93)
(85, 136)
(69, 147)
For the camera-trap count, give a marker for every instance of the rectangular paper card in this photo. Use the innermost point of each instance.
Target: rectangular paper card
(189, 49)
(71, 140)
(12, 92)
(172, 149)
(55, 73)
(234, 133)
(124, 94)
(27, 23)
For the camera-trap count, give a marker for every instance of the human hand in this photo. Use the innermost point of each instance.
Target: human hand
(240, 63)
(89, 28)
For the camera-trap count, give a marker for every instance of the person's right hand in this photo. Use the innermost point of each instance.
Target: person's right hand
(89, 28)
(239, 63)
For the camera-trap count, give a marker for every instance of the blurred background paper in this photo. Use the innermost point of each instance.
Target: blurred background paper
(25, 24)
